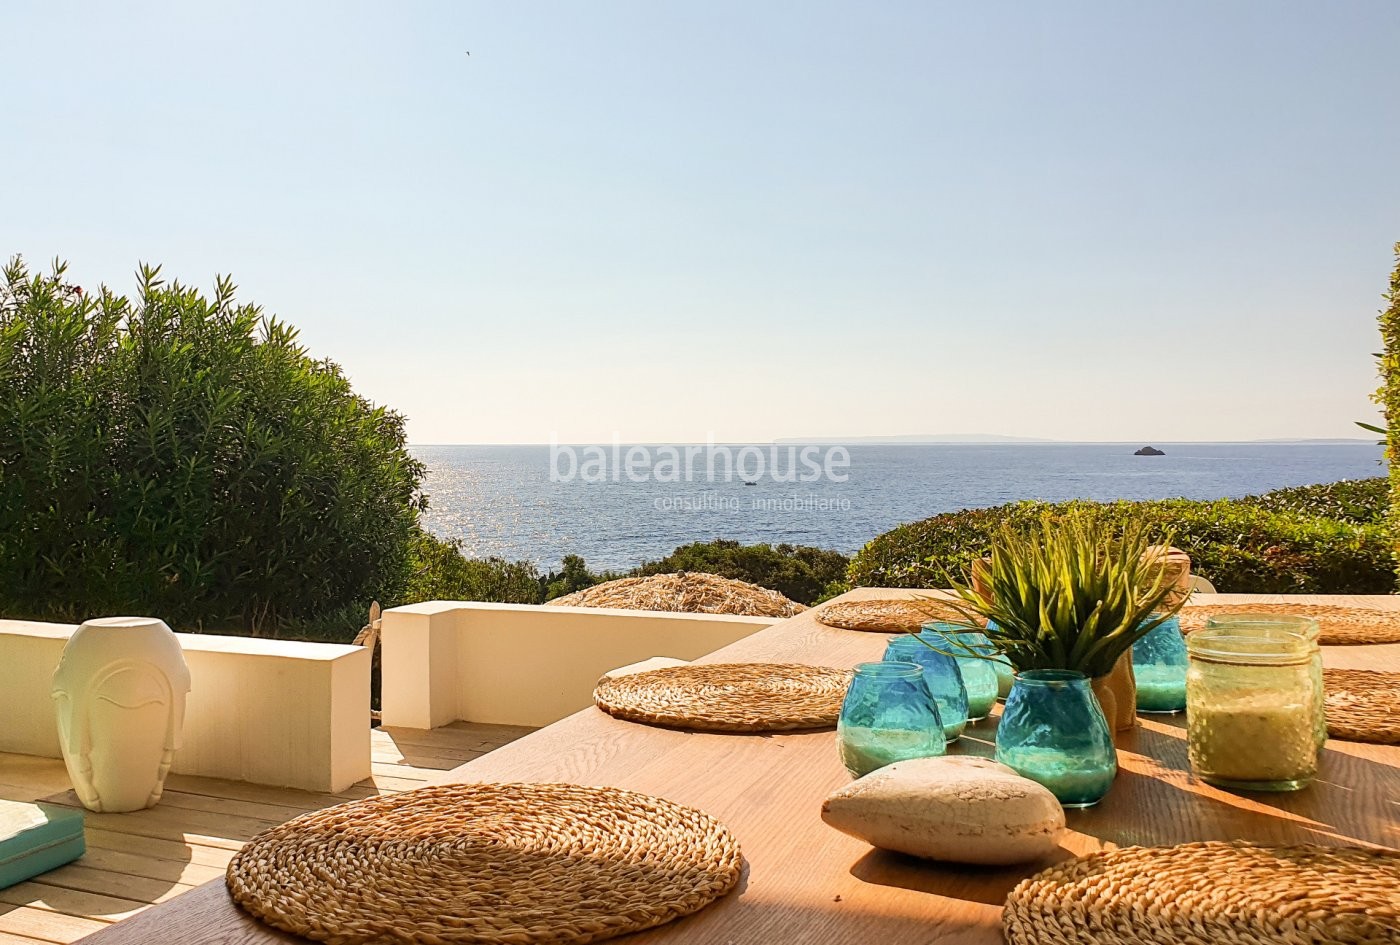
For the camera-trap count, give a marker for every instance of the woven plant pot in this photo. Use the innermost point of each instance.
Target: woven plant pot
(1117, 694)
(979, 577)
(1177, 564)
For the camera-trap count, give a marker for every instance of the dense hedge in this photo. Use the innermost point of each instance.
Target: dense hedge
(184, 456)
(1358, 501)
(1242, 546)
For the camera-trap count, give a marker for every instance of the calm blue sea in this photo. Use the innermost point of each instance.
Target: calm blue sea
(501, 500)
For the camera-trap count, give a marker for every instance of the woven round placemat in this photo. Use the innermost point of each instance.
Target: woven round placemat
(1206, 893)
(728, 697)
(1338, 625)
(1362, 705)
(885, 616)
(485, 863)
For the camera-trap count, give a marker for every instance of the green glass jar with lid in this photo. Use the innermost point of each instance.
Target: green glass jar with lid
(1251, 708)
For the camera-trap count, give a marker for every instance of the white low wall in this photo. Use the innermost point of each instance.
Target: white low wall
(518, 664)
(268, 711)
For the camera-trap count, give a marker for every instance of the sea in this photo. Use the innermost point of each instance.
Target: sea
(618, 505)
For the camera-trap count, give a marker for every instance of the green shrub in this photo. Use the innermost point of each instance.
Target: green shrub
(184, 456)
(1358, 501)
(573, 576)
(1240, 546)
(1389, 394)
(799, 572)
(441, 572)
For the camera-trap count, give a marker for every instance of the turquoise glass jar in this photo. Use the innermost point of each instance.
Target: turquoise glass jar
(979, 675)
(887, 716)
(1006, 673)
(1053, 731)
(1159, 665)
(941, 677)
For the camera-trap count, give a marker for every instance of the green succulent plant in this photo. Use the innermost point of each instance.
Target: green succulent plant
(1067, 593)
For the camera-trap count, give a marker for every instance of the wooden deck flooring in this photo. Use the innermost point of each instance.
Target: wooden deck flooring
(135, 860)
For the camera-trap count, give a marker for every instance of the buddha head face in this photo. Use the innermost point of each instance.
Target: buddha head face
(120, 694)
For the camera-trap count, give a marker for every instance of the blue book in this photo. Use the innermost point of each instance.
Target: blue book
(36, 838)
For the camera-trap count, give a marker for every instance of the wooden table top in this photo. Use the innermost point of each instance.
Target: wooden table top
(807, 883)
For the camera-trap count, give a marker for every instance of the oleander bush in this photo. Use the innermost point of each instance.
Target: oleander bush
(183, 455)
(798, 572)
(1256, 545)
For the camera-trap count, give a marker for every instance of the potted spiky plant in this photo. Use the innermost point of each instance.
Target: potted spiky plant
(1068, 594)
(1064, 602)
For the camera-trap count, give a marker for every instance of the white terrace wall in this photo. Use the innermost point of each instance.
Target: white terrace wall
(297, 714)
(268, 711)
(517, 664)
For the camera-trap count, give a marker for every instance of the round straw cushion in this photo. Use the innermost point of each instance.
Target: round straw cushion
(1362, 705)
(1204, 893)
(728, 697)
(885, 616)
(485, 863)
(1338, 625)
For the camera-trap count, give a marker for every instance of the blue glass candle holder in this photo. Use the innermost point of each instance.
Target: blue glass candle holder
(941, 677)
(888, 715)
(1159, 664)
(979, 675)
(1053, 731)
(1006, 674)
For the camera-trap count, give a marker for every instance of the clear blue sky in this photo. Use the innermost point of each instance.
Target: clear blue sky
(1077, 220)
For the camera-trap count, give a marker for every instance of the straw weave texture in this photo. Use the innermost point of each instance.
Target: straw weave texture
(1339, 625)
(885, 616)
(1363, 705)
(1211, 894)
(507, 864)
(728, 697)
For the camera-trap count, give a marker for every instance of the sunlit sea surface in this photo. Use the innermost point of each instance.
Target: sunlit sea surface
(501, 500)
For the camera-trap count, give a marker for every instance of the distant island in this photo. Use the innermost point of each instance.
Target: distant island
(1149, 451)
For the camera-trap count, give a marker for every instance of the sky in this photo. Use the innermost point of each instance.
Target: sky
(671, 220)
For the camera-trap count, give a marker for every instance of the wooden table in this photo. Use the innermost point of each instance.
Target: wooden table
(807, 883)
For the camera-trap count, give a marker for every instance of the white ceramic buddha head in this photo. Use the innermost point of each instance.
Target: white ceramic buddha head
(119, 691)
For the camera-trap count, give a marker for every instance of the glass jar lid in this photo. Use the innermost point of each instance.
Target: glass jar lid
(1253, 646)
(1248, 624)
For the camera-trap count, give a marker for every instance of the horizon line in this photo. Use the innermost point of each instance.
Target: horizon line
(898, 441)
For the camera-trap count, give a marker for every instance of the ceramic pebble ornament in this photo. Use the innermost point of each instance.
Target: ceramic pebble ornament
(957, 808)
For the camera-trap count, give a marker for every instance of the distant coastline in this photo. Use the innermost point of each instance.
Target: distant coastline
(910, 438)
(974, 439)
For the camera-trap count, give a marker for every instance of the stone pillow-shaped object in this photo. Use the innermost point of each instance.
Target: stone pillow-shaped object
(956, 808)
